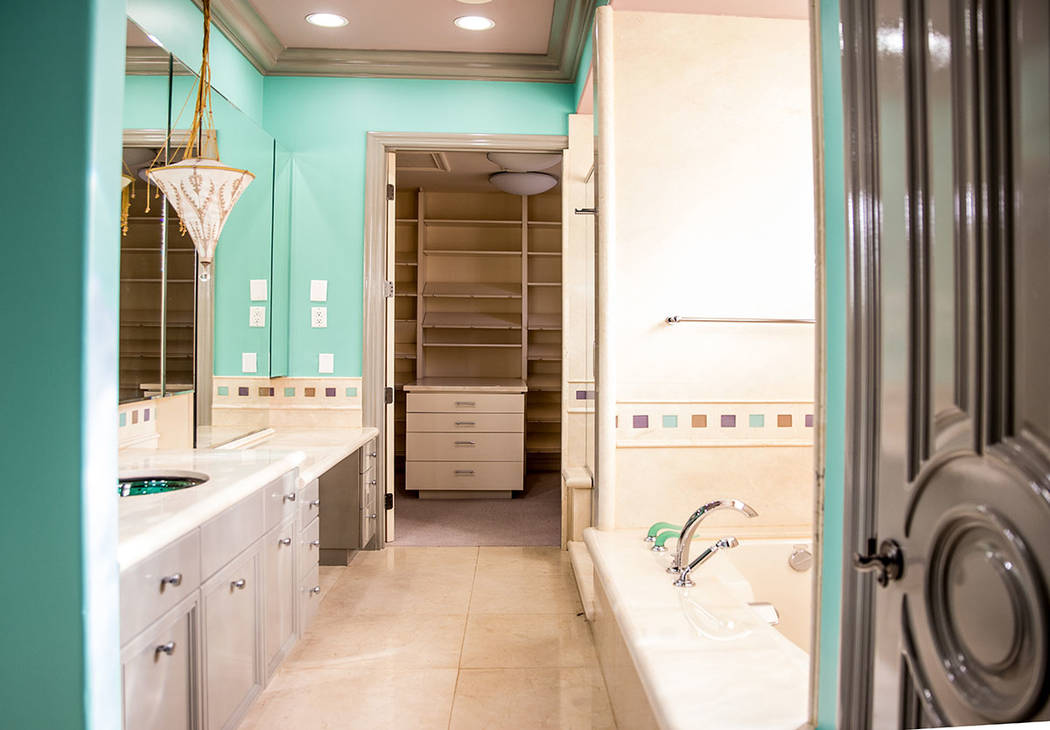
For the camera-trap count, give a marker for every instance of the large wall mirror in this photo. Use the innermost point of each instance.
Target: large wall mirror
(177, 328)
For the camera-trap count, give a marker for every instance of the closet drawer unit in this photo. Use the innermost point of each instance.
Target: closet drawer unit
(309, 597)
(309, 502)
(368, 456)
(309, 547)
(465, 403)
(281, 500)
(158, 583)
(464, 475)
(465, 447)
(460, 423)
(223, 537)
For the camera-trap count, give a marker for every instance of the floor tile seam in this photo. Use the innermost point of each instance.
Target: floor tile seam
(463, 641)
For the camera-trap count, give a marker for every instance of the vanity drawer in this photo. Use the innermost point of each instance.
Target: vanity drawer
(225, 536)
(309, 598)
(158, 583)
(465, 423)
(309, 502)
(465, 475)
(465, 447)
(309, 547)
(281, 498)
(465, 403)
(368, 456)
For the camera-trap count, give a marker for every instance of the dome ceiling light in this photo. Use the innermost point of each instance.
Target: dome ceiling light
(524, 161)
(523, 183)
(326, 20)
(474, 22)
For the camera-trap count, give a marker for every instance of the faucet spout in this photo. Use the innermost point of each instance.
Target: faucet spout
(681, 556)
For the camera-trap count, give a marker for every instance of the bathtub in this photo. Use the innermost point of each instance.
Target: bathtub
(701, 657)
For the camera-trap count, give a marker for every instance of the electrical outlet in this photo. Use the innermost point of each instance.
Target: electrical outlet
(319, 290)
(318, 316)
(248, 363)
(256, 316)
(325, 362)
(257, 290)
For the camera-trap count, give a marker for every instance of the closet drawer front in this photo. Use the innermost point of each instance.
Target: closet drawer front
(159, 582)
(309, 502)
(465, 403)
(475, 422)
(467, 475)
(464, 447)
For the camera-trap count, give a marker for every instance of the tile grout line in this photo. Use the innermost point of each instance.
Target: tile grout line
(463, 641)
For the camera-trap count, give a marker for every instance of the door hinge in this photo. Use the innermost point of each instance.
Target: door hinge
(388, 289)
(389, 396)
(389, 503)
(389, 191)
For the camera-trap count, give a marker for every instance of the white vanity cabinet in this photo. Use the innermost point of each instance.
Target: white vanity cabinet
(279, 576)
(309, 585)
(369, 507)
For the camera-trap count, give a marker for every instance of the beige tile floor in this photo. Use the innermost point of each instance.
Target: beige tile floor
(442, 637)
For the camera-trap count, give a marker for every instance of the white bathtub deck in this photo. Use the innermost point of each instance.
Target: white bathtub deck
(759, 681)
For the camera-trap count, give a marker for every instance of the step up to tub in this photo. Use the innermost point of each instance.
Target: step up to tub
(583, 569)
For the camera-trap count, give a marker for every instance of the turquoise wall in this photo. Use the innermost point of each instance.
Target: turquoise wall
(323, 122)
(835, 335)
(59, 619)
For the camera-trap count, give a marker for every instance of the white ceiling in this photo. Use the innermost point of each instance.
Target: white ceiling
(468, 173)
(522, 26)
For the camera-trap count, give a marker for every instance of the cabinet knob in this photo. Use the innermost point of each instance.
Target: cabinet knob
(168, 649)
(315, 590)
(289, 497)
(372, 454)
(315, 543)
(316, 503)
(372, 516)
(238, 584)
(285, 541)
(174, 579)
(373, 482)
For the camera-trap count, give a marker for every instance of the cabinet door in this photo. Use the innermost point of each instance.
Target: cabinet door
(159, 676)
(278, 592)
(368, 507)
(231, 652)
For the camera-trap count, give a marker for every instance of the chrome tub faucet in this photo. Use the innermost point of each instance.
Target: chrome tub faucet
(681, 555)
(726, 543)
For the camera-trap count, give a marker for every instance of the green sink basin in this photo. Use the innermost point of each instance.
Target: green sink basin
(131, 486)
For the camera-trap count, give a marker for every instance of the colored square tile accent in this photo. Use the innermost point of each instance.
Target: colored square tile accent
(783, 420)
(699, 420)
(351, 392)
(224, 390)
(756, 420)
(728, 421)
(134, 417)
(266, 392)
(309, 392)
(329, 392)
(581, 395)
(242, 390)
(670, 421)
(289, 392)
(809, 420)
(640, 421)
(145, 415)
(123, 420)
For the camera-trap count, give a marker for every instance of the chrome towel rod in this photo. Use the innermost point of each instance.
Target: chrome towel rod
(674, 318)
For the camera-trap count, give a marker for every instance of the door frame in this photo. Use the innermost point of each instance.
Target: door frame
(373, 363)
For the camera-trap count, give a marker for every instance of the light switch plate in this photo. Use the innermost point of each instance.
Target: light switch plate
(248, 364)
(318, 316)
(257, 288)
(256, 316)
(318, 290)
(325, 363)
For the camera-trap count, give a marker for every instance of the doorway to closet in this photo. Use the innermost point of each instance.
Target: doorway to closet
(474, 326)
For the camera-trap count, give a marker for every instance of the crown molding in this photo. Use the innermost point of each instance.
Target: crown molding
(243, 26)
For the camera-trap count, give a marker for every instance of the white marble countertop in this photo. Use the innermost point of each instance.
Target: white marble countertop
(149, 522)
(757, 680)
(322, 448)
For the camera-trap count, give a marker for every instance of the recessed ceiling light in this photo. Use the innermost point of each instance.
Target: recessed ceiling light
(326, 20)
(474, 22)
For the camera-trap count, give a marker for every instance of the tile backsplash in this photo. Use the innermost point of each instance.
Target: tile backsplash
(307, 402)
(714, 424)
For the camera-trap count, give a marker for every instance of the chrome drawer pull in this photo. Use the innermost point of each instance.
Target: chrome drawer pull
(289, 497)
(285, 541)
(466, 443)
(174, 579)
(315, 590)
(466, 403)
(316, 503)
(464, 472)
(466, 423)
(168, 649)
(238, 584)
(315, 543)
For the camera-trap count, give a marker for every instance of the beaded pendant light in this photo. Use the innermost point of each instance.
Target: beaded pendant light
(202, 190)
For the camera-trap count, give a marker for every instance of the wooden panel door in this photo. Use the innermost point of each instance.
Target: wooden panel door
(949, 622)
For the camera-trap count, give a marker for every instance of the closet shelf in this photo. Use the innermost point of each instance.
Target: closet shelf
(405, 350)
(140, 249)
(546, 224)
(544, 321)
(471, 344)
(469, 252)
(405, 260)
(544, 283)
(543, 414)
(408, 220)
(472, 320)
(542, 443)
(472, 290)
(156, 281)
(544, 382)
(544, 253)
(469, 222)
(544, 351)
(404, 321)
(404, 294)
